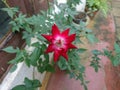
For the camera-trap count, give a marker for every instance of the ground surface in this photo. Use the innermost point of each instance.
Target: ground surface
(108, 77)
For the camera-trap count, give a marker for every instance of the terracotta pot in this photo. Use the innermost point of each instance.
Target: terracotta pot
(91, 14)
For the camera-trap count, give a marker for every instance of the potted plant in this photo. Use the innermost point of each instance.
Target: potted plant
(93, 6)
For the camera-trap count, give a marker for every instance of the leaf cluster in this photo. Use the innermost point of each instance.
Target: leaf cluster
(114, 55)
(73, 67)
(95, 62)
(28, 85)
(95, 5)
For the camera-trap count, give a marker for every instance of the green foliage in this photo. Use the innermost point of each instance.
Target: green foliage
(10, 49)
(28, 85)
(73, 66)
(92, 38)
(34, 26)
(13, 68)
(95, 5)
(114, 56)
(11, 11)
(95, 63)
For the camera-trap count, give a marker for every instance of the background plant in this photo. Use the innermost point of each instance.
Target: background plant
(95, 5)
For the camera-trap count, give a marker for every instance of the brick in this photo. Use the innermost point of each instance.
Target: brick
(116, 12)
(116, 4)
(117, 21)
(118, 34)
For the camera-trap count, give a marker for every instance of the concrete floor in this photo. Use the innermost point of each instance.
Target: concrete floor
(108, 78)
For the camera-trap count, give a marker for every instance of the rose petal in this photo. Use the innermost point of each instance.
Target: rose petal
(71, 38)
(71, 46)
(55, 30)
(65, 32)
(65, 56)
(56, 56)
(50, 48)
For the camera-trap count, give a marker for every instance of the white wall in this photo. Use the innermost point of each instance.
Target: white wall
(17, 77)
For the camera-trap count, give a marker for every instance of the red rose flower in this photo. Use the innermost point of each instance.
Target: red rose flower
(60, 42)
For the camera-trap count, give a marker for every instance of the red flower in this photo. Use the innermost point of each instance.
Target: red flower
(60, 42)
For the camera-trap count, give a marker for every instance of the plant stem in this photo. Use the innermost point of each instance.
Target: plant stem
(33, 73)
(5, 2)
(48, 4)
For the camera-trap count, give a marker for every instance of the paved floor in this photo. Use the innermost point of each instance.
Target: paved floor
(116, 14)
(108, 77)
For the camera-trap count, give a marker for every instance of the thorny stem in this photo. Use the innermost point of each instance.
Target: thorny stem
(7, 5)
(48, 3)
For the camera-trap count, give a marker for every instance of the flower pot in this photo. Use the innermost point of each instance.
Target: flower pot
(91, 13)
(81, 17)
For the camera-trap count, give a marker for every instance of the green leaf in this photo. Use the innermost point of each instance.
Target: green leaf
(92, 38)
(28, 83)
(107, 53)
(13, 68)
(62, 64)
(96, 52)
(27, 62)
(117, 48)
(43, 47)
(41, 69)
(19, 87)
(35, 56)
(82, 69)
(81, 50)
(36, 44)
(77, 40)
(50, 68)
(72, 75)
(10, 49)
(46, 57)
(36, 83)
(116, 62)
(19, 57)
(11, 11)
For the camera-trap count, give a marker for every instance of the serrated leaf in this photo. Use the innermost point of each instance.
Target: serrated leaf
(19, 57)
(96, 52)
(50, 68)
(36, 44)
(27, 62)
(28, 83)
(92, 38)
(117, 48)
(62, 64)
(40, 38)
(36, 83)
(81, 50)
(10, 49)
(13, 68)
(41, 69)
(19, 87)
(35, 56)
(46, 57)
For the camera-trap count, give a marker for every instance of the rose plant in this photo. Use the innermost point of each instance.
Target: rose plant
(60, 40)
